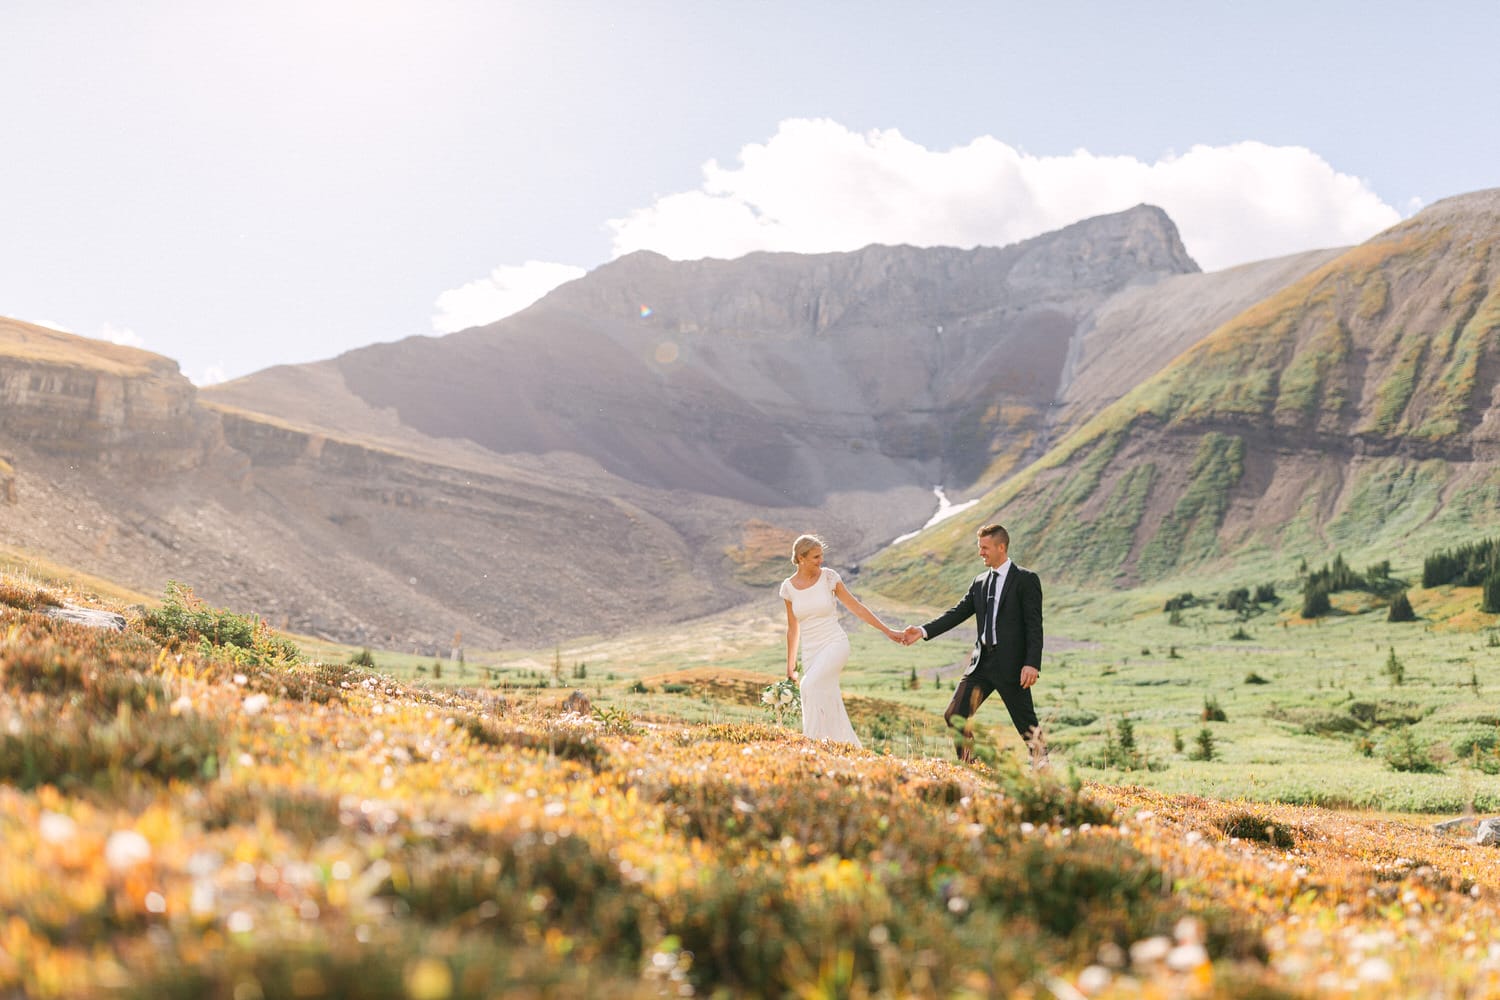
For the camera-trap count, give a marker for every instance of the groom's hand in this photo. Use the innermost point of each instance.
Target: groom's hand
(1029, 676)
(911, 635)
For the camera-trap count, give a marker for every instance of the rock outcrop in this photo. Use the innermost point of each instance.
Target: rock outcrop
(102, 403)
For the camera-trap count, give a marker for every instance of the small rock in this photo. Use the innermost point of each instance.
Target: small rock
(92, 617)
(578, 703)
(1488, 834)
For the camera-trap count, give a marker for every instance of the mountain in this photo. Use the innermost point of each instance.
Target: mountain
(636, 449)
(775, 378)
(1357, 409)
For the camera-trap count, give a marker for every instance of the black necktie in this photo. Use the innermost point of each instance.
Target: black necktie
(990, 597)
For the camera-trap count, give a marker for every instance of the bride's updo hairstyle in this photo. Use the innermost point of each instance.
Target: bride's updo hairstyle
(805, 544)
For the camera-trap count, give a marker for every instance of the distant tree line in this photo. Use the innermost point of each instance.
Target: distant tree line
(1474, 565)
(1466, 566)
(1338, 576)
(1240, 600)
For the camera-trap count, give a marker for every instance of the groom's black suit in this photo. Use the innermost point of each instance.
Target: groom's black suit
(1017, 643)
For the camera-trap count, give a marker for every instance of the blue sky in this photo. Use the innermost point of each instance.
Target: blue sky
(242, 185)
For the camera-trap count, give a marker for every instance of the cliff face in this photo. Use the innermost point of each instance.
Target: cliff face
(68, 396)
(780, 378)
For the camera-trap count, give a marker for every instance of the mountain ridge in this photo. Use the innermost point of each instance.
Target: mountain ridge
(1366, 392)
(649, 465)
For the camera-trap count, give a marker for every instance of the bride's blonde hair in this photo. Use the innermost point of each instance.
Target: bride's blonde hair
(805, 544)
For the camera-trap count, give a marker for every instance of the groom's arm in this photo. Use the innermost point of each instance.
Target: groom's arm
(953, 616)
(1031, 619)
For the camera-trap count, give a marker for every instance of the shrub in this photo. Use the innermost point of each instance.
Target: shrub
(363, 658)
(1394, 668)
(1204, 750)
(1251, 826)
(184, 619)
(1180, 602)
(63, 750)
(1315, 602)
(26, 598)
(1211, 710)
(1401, 609)
(1404, 753)
(1120, 750)
(1240, 635)
(1254, 678)
(1265, 593)
(1236, 600)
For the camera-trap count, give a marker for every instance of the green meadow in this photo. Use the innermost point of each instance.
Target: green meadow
(1347, 710)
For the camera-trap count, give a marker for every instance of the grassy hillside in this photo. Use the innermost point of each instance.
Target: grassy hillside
(28, 342)
(184, 818)
(1340, 412)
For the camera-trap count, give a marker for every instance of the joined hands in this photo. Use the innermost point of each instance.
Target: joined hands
(905, 636)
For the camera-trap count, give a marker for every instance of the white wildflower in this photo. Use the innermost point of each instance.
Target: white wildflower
(126, 849)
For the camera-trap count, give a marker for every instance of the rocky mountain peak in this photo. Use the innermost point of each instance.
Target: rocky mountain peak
(807, 294)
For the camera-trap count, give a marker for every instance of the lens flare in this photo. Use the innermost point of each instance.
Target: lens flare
(645, 311)
(666, 352)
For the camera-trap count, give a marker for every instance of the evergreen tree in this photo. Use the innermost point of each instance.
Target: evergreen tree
(1315, 602)
(1401, 609)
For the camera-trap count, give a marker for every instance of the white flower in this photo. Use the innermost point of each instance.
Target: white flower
(57, 828)
(126, 849)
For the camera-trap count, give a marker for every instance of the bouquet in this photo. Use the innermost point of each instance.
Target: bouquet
(782, 699)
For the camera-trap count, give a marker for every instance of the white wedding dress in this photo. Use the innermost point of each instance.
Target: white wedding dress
(825, 650)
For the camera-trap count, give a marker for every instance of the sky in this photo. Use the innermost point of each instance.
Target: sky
(241, 185)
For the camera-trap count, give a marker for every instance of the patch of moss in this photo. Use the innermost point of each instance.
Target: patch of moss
(1100, 547)
(1310, 385)
(1396, 390)
(1190, 532)
(1455, 385)
(1389, 500)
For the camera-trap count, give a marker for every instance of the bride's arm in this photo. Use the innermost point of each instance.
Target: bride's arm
(861, 612)
(792, 630)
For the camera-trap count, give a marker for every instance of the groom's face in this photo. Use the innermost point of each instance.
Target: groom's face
(991, 550)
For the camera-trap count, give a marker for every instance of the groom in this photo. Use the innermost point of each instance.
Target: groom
(1007, 603)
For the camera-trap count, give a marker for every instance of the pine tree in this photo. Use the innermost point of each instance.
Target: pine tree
(1394, 668)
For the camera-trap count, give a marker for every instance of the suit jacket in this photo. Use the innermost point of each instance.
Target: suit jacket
(1018, 628)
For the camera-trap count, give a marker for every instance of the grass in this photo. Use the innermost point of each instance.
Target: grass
(45, 346)
(317, 829)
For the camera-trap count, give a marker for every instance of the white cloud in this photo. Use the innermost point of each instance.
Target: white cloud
(508, 289)
(120, 335)
(209, 375)
(815, 186)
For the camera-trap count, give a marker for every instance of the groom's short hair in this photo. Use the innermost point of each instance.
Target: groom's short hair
(996, 532)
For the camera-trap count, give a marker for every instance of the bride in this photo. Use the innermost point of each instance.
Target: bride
(812, 618)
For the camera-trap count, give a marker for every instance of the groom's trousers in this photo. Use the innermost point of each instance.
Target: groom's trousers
(985, 679)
